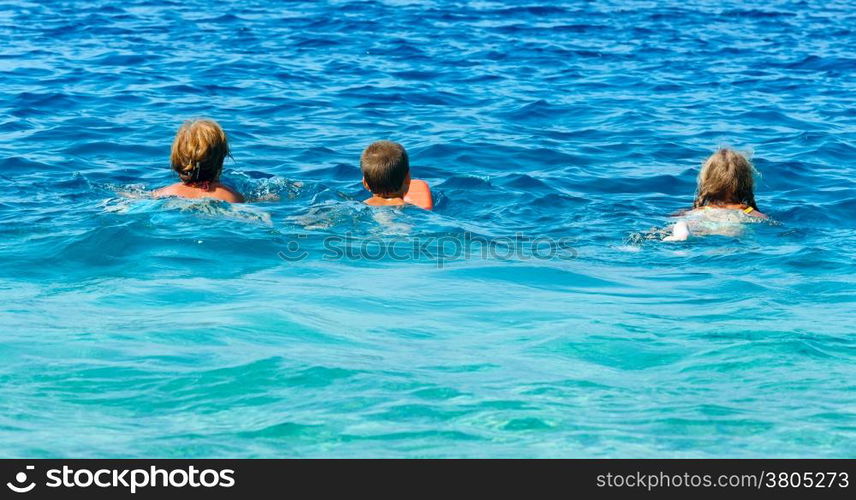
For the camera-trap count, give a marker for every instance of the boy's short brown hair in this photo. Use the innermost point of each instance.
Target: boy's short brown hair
(385, 167)
(198, 151)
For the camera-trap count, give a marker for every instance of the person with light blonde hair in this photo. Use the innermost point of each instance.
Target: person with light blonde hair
(197, 156)
(725, 182)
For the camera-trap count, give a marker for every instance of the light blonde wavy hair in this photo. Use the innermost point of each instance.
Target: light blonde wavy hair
(726, 177)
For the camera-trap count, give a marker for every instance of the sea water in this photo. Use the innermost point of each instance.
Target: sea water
(524, 317)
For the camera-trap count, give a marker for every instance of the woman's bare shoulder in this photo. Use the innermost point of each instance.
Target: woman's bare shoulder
(172, 190)
(226, 193)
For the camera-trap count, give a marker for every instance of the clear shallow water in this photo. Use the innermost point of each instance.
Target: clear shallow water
(140, 328)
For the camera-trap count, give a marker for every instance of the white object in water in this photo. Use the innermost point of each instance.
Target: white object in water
(680, 232)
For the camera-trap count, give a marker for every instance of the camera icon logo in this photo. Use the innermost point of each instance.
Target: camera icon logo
(20, 479)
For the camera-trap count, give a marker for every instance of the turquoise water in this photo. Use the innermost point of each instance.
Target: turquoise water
(132, 327)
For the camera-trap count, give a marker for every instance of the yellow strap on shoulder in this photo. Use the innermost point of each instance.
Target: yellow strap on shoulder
(748, 210)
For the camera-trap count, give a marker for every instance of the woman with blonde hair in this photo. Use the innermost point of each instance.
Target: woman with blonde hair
(197, 156)
(726, 192)
(726, 181)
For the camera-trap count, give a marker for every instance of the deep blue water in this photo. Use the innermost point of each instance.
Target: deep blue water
(135, 327)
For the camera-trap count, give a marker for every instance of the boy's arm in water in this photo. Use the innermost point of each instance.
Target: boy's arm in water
(419, 194)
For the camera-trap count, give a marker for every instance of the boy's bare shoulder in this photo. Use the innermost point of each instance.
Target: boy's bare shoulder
(419, 194)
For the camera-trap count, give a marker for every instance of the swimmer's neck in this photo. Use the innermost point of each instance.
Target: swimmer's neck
(395, 199)
(754, 212)
(216, 189)
(730, 206)
(387, 199)
(196, 184)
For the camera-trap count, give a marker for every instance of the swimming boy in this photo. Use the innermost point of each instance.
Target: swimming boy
(198, 151)
(386, 173)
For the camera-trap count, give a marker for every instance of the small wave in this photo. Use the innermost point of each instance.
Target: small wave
(464, 182)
